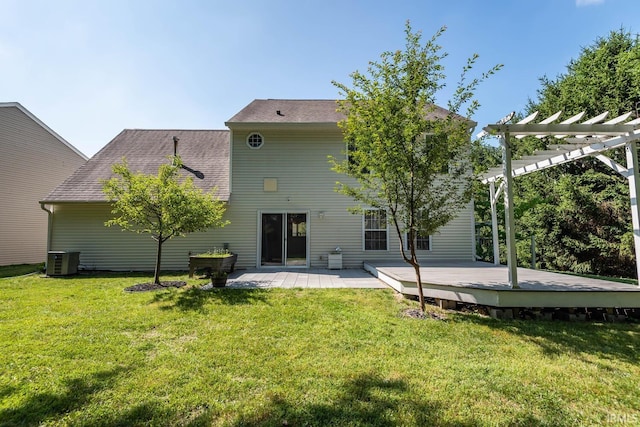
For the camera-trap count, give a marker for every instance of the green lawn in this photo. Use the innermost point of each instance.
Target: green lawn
(20, 269)
(81, 351)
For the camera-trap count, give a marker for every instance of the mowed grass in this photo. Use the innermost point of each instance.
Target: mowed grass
(81, 351)
(20, 269)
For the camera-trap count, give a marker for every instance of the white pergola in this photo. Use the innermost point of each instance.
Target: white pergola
(576, 140)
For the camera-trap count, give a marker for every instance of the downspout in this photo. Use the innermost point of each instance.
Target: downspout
(49, 230)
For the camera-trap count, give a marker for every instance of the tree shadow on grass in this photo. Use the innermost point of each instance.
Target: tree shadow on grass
(47, 406)
(143, 276)
(366, 400)
(103, 274)
(154, 413)
(196, 299)
(143, 414)
(619, 341)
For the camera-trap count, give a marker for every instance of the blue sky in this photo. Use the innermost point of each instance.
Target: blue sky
(89, 68)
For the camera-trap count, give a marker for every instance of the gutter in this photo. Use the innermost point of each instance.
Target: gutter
(49, 231)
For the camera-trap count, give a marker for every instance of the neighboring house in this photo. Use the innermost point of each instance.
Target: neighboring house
(33, 160)
(272, 167)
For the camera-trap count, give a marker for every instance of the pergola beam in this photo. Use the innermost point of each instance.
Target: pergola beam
(587, 150)
(613, 165)
(538, 129)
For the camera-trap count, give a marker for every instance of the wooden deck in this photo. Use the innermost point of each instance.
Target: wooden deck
(487, 284)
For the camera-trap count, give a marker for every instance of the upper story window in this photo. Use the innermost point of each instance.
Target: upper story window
(255, 140)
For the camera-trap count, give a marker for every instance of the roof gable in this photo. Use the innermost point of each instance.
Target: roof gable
(203, 151)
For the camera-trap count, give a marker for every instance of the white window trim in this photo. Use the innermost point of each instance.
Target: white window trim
(250, 135)
(364, 230)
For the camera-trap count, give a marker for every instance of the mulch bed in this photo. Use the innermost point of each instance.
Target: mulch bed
(418, 314)
(143, 287)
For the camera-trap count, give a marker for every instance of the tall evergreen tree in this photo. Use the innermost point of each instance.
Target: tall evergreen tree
(579, 212)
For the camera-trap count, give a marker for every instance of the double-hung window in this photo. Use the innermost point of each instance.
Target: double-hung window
(423, 243)
(375, 230)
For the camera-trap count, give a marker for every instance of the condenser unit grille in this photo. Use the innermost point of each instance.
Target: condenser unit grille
(57, 264)
(61, 263)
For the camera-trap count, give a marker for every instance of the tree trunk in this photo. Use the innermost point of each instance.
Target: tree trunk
(416, 267)
(156, 277)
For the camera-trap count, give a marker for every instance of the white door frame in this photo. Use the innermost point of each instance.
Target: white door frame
(284, 237)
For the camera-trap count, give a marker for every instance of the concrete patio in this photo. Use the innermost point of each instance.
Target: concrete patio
(304, 278)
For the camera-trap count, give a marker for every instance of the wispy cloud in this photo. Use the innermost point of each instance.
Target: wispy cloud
(580, 3)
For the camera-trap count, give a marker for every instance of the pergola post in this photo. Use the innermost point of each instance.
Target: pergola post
(494, 222)
(634, 193)
(512, 263)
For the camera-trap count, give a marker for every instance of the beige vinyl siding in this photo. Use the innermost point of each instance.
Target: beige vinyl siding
(32, 163)
(80, 227)
(299, 162)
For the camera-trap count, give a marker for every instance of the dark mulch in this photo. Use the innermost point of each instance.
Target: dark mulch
(143, 287)
(416, 313)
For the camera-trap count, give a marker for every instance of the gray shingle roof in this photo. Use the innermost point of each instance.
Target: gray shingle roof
(274, 111)
(291, 111)
(206, 151)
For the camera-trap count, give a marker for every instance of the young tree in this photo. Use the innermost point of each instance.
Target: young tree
(161, 205)
(406, 156)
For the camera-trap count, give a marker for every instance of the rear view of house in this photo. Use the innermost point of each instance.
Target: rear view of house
(33, 160)
(272, 168)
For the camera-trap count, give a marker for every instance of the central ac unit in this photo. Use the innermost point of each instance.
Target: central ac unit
(61, 263)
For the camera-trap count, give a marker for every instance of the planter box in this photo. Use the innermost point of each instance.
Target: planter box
(226, 264)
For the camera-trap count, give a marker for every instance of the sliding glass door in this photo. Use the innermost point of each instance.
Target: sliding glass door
(283, 239)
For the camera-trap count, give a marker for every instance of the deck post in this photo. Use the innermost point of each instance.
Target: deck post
(512, 262)
(494, 222)
(631, 151)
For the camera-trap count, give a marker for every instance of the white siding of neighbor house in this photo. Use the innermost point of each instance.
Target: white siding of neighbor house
(32, 163)
(299, 162)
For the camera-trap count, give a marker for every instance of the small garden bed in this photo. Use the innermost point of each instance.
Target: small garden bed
(218, 264)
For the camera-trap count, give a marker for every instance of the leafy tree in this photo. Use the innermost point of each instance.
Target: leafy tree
(161, 205)
(405, 155)
(579, 212)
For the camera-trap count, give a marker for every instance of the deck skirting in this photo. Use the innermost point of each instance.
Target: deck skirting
(487, 284)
